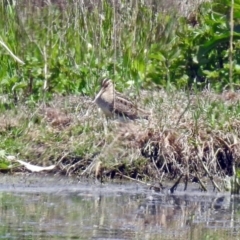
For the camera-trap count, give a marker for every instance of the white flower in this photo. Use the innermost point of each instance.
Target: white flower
(89, 46)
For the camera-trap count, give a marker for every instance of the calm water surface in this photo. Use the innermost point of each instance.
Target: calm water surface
(41, 207)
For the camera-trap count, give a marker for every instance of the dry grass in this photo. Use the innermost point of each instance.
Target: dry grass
(189, 136)
(183, 7)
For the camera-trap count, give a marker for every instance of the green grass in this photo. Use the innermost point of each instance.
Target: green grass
(67, 51)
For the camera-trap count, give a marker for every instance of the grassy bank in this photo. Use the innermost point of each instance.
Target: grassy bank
(192, 136)
(178, 64)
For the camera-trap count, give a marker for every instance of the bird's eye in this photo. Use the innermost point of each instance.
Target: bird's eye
(105, 83)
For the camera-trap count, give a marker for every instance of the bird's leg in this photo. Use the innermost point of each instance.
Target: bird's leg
(105, 126)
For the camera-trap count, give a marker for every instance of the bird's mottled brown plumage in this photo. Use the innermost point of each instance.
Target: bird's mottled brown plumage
(114, 104)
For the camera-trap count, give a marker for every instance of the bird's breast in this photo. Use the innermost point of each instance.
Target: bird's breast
(105, 106)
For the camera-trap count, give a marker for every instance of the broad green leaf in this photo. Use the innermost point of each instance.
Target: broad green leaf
(158, 56)
(4, 165)
(216, 40)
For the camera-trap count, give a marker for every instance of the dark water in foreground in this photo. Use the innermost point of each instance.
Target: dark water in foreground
(55, 208)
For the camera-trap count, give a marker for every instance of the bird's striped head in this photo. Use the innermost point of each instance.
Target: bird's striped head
(106, 86)
(106, 82)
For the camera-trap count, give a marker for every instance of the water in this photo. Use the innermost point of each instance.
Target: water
(41, 207)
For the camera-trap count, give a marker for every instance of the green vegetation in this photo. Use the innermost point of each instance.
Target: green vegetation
(60, 51)
(67, 49)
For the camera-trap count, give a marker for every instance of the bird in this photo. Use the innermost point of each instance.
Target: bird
(116, 105)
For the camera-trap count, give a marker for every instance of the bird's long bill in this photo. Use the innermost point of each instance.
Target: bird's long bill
(98, 95)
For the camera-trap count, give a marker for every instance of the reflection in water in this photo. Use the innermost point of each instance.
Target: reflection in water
(59, 209)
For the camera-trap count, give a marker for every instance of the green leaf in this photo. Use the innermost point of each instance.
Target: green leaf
(214, 42)
(237, 68)
(4, 165)
(2, 153)
(157, 56)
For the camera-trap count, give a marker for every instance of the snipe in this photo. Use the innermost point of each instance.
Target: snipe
(115, 105)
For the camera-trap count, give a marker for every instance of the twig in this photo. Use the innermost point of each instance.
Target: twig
(186, 182)
(174, 187)
(138, 181)
(90, 166)
(133, 179)
(210, 176)
(201, 183)
(154, 163)
(60, 160)
(231, 45)
(184, 111)
(11, 53)
(200, 151)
